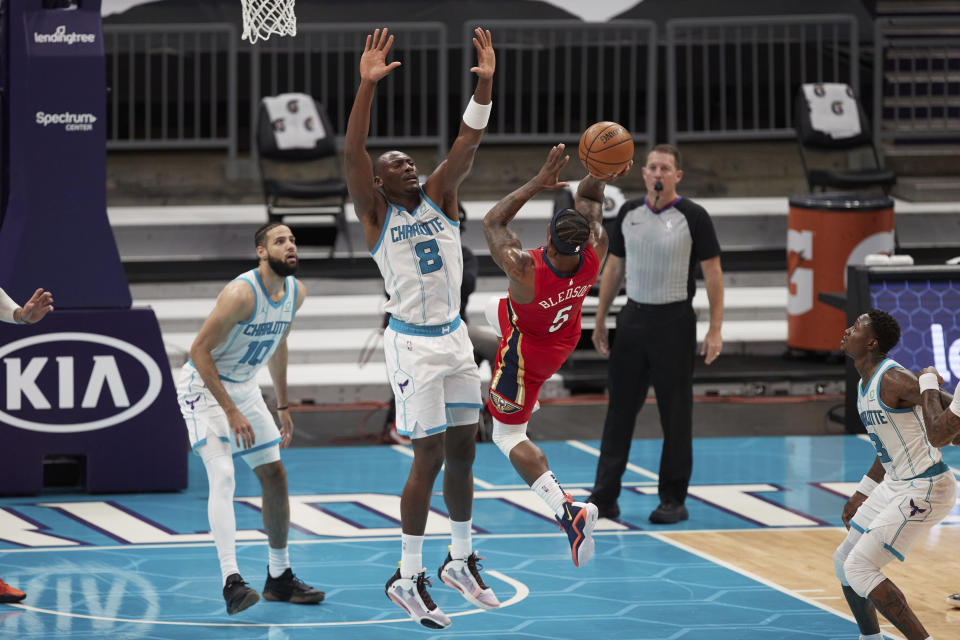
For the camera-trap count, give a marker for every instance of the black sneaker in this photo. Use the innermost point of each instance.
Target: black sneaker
(606, 510)
(289, 588)
(669, 513)
(238, 595)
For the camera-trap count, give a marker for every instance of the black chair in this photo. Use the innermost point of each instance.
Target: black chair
(300, 168)
(827, 116)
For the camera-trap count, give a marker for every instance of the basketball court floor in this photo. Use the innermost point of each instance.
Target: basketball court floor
(753, 561)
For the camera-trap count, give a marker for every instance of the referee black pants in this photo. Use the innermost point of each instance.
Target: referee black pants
(654, 344)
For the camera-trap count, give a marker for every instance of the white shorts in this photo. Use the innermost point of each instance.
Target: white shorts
(899, 512)
(206, 420)
(434, 378)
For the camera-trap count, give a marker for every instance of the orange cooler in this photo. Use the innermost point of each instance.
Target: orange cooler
(825, 233)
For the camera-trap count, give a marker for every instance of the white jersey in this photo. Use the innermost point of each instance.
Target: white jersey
(421, 261)
(250, 343)
(898, 434)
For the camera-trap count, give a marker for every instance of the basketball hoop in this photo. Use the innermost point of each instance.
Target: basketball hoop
(264, 18)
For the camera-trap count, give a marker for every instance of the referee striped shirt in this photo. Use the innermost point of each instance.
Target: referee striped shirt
(662, 248)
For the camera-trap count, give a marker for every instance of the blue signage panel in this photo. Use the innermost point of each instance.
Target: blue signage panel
(95, 384)
(927, 311)
(54, 231)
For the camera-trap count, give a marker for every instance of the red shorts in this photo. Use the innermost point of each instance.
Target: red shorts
(523, 365)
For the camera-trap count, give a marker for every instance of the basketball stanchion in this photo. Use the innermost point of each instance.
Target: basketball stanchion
(90, 385)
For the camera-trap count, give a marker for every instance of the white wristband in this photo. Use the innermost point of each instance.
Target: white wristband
(867, 485)
(928, 381)
(477, 115)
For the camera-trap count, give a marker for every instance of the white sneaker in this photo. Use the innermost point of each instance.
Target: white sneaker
(410, 594)
(464, 576)
(954, 600)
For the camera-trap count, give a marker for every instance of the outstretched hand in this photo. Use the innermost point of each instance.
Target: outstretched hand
(549, 172)
(39, 305)
(486, 58)
(373, 62)
(610, 177)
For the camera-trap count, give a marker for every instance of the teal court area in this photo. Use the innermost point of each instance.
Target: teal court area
(144, 566)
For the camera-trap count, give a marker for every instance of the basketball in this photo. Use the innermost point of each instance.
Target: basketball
(605, 148)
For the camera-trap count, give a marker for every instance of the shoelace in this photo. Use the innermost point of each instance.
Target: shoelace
(422, 583)
(233, 585)
(475, 566)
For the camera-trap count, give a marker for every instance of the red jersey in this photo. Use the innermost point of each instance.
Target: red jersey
(554, 313)
(538, 336)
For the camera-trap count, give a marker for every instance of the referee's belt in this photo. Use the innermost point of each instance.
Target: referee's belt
(431, 330)
(633, 304)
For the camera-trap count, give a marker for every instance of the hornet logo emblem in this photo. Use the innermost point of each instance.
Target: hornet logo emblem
(914, 509)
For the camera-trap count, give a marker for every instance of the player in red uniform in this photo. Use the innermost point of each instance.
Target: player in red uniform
(539, 324)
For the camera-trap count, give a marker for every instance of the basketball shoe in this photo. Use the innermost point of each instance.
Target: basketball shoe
(238, 595)
(954, 600)
(578, 521)
(289, 588)
(410, 594)
(9, 595)
(464, 576)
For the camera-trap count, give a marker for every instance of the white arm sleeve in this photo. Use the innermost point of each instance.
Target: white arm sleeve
(7, 307)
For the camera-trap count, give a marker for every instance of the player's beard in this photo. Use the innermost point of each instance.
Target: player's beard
(281, 268)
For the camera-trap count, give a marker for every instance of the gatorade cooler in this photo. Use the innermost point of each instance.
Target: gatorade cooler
(825, 233)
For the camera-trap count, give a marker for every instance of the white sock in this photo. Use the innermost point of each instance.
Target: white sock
(548, 489)
(461, 539)
(279, 562)
(411, 558)
(872, 636)
(223, 523)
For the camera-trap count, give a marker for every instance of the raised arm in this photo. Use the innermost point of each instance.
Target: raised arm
(442, 184)
(503, 243)
(942, 422)
(234, 305)
(589, 201)
(368, 203)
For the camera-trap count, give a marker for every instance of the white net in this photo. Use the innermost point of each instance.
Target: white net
(264, 18)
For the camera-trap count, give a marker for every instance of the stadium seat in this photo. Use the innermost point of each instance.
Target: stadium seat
(300, 169)
(829, 117)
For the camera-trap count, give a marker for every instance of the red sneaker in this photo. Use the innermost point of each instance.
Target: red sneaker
(10, 594)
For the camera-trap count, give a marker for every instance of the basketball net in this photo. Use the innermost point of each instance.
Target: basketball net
(264, 18)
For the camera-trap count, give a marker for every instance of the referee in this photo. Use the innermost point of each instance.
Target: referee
(657, 241)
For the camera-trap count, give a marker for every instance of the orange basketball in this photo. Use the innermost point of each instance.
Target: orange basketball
(605, 148)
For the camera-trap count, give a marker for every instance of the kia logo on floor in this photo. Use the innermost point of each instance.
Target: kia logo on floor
(69, 382)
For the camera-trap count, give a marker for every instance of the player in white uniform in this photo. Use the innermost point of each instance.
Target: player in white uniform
(414, 237)
(944, 422)
(907, 490)
(32, 311)
(226, 416)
